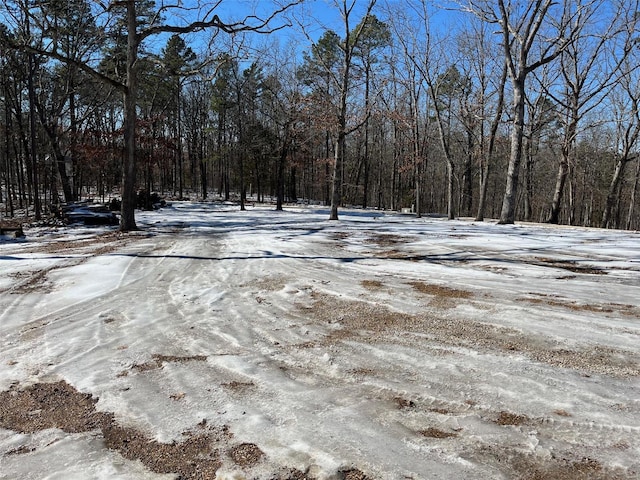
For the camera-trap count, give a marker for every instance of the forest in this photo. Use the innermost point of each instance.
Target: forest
(504, 109)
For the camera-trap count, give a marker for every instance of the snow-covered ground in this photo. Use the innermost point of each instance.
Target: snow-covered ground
(390, 346)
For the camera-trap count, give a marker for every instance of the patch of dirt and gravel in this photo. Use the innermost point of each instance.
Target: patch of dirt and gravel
(59, 405)
(197, 457)
(372, 322)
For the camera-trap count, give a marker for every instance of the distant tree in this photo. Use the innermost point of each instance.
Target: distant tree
(282, 107)
(178, 61)
(198, 121)
(409, 118)
(222, 104)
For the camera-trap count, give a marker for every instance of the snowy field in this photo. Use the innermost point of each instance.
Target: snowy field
(221, 344)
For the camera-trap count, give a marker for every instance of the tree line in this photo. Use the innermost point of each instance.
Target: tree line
(507, 109)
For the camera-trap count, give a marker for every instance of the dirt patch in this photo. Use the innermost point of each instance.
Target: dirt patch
(37, 280)
(556, 301)
(519, 465)
(433, 432)
(565, 469)
(159, 360)
(59, 405)
(403, 403)
(552, 302)
(194, 458)
(239, 387)
(387, 239)
(395, 254)
(353, 474)
(368, 322)
(95, 245)
(272, 283)
(562, 413)
(32, 281)
(440, 291)
(339, 236)
(372, 284)
(48, 405)
(508, 418)
(570, 265)
(246, 454)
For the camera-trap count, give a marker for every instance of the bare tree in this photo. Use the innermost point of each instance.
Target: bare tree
(414, 53)
(349, 45)
(625, 105)
(530, 38)
(342, 82)
(490, 73)
(589, 66)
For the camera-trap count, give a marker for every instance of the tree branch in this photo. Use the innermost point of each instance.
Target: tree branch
(261, 25)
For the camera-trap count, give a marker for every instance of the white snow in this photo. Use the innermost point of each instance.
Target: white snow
(290, 307)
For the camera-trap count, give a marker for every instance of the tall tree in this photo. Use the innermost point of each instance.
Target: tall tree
(490, 72)
(375, 36)
(178, 61)
(521, 24)
(588, 67)
(342, 81)
(71, 25)
(625, 107)
(319, 72)
(449, 87)
(222, 103)
(282, 105)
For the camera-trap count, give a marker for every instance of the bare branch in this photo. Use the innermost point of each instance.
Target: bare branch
(250, 23)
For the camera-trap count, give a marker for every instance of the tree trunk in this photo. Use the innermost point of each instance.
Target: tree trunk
(613, 194)
(33, 139)
(366, 159)
(507, 215)
(336, 184)
(280, 177)
(528, 176)
(486, 167)
(563, 171)
(561, 177)
(467, 183)
(203, 175)
(632, 200)
(60, 159)
(127, 218)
